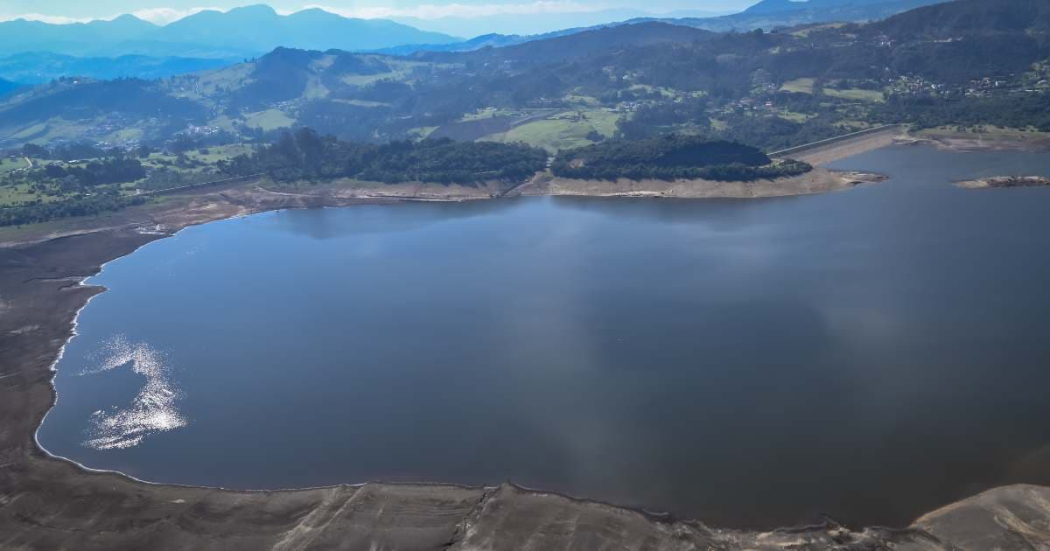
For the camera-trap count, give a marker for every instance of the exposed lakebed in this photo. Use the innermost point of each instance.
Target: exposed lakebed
(870, 354)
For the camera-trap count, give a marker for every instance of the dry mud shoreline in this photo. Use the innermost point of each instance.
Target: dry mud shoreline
(819, 180)
(1005, 182)
(48, 503)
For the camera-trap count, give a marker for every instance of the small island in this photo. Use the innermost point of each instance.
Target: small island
(1005, 182)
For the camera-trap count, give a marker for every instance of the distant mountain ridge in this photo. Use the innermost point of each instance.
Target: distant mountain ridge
(40, 67)
(6, 87)
(772, 14)
(252, 31)
(523, 24)
(241, 32)
(21, 35)
(766, 14)
(781, 6)
(584, 42)
(650, 71)
(492, 40)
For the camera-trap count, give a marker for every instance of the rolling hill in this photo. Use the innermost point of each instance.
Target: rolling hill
(982, 61)
(767, 14)
(41, 67)
(6, 87)
(774, 14)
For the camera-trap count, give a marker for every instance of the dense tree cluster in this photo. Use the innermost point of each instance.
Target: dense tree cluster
(85, 205)
(671, 157)
(773, 133)
(1016, 111)
(68, 151)
(111, 170)
(652, 119)
(167, 178)
(306, 155)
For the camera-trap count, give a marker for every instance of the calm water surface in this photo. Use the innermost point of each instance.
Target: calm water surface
(870, 354)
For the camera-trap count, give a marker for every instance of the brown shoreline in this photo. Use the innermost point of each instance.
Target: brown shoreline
(1003, 182)
(49, 503)
(819, 180)
(824, 153)
(980, 142)
(200, 206)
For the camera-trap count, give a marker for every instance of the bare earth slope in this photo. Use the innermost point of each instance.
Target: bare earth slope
(1005, 182)
(819, 180)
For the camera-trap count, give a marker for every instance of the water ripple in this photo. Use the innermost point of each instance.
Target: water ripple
(154, 408)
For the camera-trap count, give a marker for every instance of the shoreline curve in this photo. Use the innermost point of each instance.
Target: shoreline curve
(48, 501)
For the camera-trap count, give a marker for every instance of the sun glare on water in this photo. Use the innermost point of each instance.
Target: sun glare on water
(155, 407)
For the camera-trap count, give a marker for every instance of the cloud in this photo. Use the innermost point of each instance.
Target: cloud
(163, 16)
(158, 16)
(53, 19)
(435, 11)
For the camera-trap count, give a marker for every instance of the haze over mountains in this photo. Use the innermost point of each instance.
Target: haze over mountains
(6, 86)
(252, 31)
(771, 14)
(538, 23)
(41, 67)
(241, 32)
(758, 87)
(766, 14)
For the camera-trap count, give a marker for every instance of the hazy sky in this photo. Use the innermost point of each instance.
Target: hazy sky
(164, 11)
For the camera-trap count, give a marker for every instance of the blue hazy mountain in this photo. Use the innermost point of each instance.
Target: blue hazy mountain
(29, 36)
(371, 97)
(771, 14)
(766, 14)
(522, 24)
(241, 32)
(6, 86)
(39, 67)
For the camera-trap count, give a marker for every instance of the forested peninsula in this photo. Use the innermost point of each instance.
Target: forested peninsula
(112, 180)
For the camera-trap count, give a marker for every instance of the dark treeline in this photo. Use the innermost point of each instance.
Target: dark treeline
(774, 133)
(655, 118)
(69, 151)
(1015, 111)
(79, 151)
(306, 155)
(83, 205)
(111, 170)
(84, 165)
(671, 157)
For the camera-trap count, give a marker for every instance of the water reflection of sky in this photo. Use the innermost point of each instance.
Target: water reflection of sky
(870, 354)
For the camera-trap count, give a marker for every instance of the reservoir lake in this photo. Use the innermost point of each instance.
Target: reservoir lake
(870, 354)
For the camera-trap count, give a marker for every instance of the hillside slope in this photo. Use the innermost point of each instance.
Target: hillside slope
(969, 61)
(773, 14)
(41, 67)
